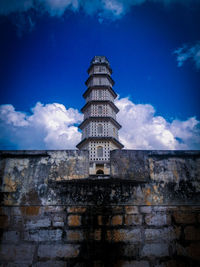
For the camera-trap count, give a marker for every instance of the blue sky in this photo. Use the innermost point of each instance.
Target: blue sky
(154, 51)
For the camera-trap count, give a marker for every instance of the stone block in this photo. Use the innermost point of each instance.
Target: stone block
(76, 209)
(199, 218)
(180, 250)
(134, 263)
(131, 209)
(145, 209)
(94, 264)
(16, 211)
(160, 208)
(50, 264)
(165, 234)
(157, 219)
(117, 209)
(30, 210)
(194, 251)
(22, 253)
(131, 250)
(39, 223)
(15, 264)
(135, 219)
(53, 209)
(58, 217)
(156, 250)
(6, 211)
(43, 235)
(184, 218)
(93, 235)
(74, 220)
(73, 235)
(58, 221)
(100, 220)
(58, 251)
(97, 235)
(124, 235)
(116, 220)
(4, 221)
(17, 223)
(103, 220)
(172, 263)
(11, 236)
(58, 224)
(192, 233)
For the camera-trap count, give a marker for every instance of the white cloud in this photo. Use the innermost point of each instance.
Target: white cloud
(105, 8)
(58, 7)
(187, 52)
(142, 129)
(52, 126)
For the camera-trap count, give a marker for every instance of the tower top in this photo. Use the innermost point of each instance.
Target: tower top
(100, 59)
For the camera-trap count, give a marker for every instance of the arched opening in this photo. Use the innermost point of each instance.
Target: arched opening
(99, 110)
(114, 133)
(100, 172)
(100, 93)
(99, 129)
(100, 151)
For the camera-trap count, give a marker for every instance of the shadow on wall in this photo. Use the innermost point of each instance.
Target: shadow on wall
(98, 248)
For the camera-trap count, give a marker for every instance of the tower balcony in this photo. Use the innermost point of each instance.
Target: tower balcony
(99, 79)
(100, 108)
(99, 120)
(99, 87)
(99, 139)
(99, 69)
(100, 94)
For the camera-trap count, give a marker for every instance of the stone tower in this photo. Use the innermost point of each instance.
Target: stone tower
(99, 127)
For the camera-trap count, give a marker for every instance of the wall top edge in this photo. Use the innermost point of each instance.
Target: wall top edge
(11, 153)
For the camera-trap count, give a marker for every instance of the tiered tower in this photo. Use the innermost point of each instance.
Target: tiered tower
(99, 128)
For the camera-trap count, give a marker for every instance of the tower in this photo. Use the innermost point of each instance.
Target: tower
(99, 127)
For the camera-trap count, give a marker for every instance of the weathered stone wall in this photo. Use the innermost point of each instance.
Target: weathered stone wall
(146, 214)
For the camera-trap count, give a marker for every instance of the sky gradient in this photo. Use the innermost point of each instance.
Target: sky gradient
(154, 51)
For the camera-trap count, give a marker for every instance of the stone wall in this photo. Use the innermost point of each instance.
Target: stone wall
(146, 214)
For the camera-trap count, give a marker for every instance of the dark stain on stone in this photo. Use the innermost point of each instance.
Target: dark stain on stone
(31, 198)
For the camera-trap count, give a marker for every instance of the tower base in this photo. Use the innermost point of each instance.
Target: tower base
(99, 168)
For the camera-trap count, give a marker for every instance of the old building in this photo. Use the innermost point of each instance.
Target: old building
(54, 214)
(100, 127)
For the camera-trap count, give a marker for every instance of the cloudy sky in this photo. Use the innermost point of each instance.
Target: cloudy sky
(154, 50)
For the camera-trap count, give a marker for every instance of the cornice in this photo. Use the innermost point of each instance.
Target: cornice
(101, 75)
(100, 87)
(101, 64)
(99, 102)
(86, 121)
(95, 138)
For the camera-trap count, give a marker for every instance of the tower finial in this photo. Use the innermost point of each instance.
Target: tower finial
(100, 59)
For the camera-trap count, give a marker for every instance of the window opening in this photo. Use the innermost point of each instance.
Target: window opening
(100, 151)
(99, 110)
(100, 129)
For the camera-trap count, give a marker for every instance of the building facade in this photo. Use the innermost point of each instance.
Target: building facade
(99, 127)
